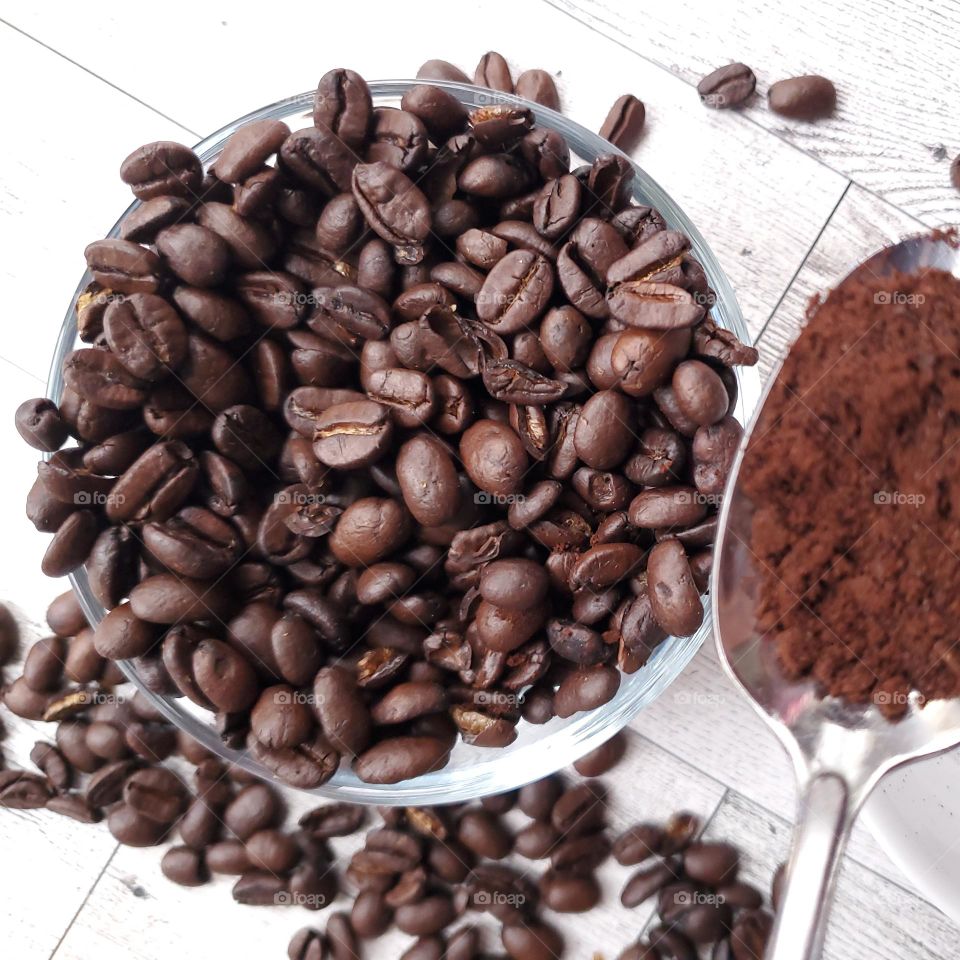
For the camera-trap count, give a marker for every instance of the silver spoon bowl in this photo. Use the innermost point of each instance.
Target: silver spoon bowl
(839, 751)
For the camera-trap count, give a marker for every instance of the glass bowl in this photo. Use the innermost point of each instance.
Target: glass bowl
(471, 772)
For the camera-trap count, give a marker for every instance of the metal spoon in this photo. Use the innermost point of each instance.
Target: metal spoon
(840, 752)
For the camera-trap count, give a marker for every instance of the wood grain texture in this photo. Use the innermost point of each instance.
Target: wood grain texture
(757, 200)
(861, 225)
(60, 188)
(897, 125)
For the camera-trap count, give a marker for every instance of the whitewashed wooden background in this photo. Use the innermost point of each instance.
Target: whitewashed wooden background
(788, 207)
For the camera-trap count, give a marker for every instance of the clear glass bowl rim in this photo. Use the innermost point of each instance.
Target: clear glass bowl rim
(561, 742)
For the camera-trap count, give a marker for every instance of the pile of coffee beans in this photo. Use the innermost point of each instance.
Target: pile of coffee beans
(449, 878)
(390, 430)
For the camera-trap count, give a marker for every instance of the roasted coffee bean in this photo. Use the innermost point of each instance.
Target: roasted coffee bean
(679, 831)
(667, 507)
(647, 882)
(493, 457)
(309, 764)
(712, 864)
(515, 292)
(514, 584)
(567, 892)
(532, 941)
(538, 86)
(20, 790)
(428, 479)
(602, 759)
(194, 254)
(400, 758)
(728, 86)
(624, 122)
(394, 208)
(156, 794)
(333, 820)
(165, 598)
(484, 834)
(246, 151)
(714, 449)
(441, 70)
(40, 424)
(408, 700)
(184, 866)
(654, 305)
(494, 176)
(637, 844)
(162, 168)
(71, 544)
(803, 98)
(674, 597)
(586, 689)
(492, 71)
(341, 711)
(604, 430)
(700, 392)
(194, 543)
(254, 808)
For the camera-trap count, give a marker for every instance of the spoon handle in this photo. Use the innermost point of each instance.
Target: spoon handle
(825, 818)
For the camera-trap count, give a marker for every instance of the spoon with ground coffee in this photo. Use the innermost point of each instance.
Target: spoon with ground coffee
(836, 574)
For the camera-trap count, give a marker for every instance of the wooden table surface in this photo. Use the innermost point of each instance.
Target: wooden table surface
(788, 207)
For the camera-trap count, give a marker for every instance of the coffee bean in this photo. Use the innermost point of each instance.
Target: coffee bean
(532, 941)
(729, 86)
(196, 255)
(483, 833)
(637, 844)
(803, 98)
(711, 863)
(493, 457)
(674, 597)
(400, 758)
(20, 790)
(624, 122)
(40, 424)
(538, 86)
(515, 292)
(162, 168)
(586, 689)
(492, 71)
(602, 759)
(184, 866)
(394, 208)
(569, 892)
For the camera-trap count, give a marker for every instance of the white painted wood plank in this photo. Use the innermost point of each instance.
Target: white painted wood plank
(758, 201)
(861, 225)
(50, 863)
(59, 186)
(894, 64)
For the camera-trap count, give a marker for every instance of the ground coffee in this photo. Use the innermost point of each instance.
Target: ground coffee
(854, 471)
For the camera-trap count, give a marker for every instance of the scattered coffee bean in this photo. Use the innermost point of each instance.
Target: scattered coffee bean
(803, 98)
(727, 87)
(624, 122)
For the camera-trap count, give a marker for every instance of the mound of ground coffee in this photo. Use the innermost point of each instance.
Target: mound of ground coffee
(855, 473)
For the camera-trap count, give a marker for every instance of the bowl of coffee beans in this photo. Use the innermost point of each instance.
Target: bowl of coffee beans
(397, 419)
